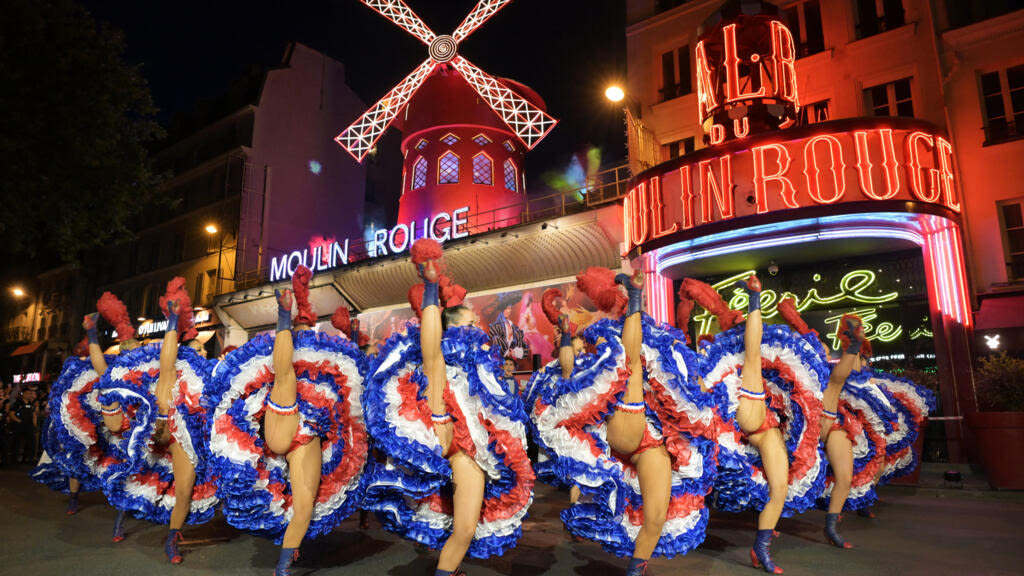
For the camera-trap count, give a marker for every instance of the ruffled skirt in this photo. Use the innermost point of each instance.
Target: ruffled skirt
(410, 490)
(570, 419)
(795, 375)
(252, 481)
(143, 484)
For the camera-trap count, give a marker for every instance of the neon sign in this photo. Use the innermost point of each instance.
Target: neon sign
(327, 253)
(746, 74)
(879, 162)
(855, 287)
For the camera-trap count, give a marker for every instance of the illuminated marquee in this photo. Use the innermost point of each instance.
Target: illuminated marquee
(325, 254)
(868, 161)
(855, 288)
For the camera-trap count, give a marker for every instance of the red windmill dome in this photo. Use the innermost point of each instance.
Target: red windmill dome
(465, 131)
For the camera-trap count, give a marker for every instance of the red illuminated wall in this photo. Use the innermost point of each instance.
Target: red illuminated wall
(444, 105)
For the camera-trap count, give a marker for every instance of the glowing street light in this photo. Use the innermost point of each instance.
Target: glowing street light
(18, 292)
(614, 93)
(211, 228)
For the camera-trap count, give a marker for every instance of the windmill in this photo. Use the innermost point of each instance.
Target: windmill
(528, 122)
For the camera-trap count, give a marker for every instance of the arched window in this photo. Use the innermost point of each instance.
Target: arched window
(510, 176)
(482, 169)
(481, 139)
(419, 173)
(448, 168)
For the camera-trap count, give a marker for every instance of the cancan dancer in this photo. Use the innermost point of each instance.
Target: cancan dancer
(631, 428)
(287, 437)
(455, 474)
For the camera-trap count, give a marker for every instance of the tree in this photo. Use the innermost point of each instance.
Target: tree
(75, 121)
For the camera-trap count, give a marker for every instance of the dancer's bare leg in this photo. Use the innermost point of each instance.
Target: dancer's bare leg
(433, 361)
(184, 481)
(751, 411)
(468, 480)
(626, 428)
(304, 463)
(168, 374)
(113, 418)
(281, 421)
(654, 472)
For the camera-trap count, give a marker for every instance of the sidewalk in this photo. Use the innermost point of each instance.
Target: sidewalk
(924, 530)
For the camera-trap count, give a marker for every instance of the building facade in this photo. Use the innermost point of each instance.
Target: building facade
(933, 79)
(257, 172)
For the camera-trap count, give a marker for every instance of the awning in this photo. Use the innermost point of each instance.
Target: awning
(1000, 312)
(30, 348)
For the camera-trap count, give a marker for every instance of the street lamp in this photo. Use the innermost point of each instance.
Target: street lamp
(212, 229)
(641, 145)
(18, 292)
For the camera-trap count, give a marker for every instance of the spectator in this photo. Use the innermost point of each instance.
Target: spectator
(23, 422)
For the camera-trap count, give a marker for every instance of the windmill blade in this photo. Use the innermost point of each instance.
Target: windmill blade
(360, 137)
(530, 123)
(481, 13)
(399, 13)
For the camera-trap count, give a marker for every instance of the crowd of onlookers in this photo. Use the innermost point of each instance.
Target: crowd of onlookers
(21, 418)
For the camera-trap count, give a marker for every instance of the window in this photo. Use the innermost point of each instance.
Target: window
(450, 139)
(421, 144)
(675, 73)
(178, 250)
(1012, 221)
(892, 99)
(877, 16)
(680, 147)
(804, 19)
(963, 13)
(1002, 96)
(199, 286)
(663, 5)
(419, 174)
(814, 112)
(510, 176)
(508, 146)
(448, 169)
(482, 140)
(211, 286)
(482, 169)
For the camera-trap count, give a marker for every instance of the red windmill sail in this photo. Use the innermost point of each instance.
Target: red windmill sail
(528, 122)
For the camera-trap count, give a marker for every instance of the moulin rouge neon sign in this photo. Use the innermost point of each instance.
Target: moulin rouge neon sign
(327, 253)
(872, 164)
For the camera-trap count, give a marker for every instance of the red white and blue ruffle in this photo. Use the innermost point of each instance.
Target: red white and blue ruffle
(867, 418)
(410, 490)
(76, 442)
(912, 404)
(143, 484)
(252, 481)
(795, 375)
(545, 468)
(570, 418)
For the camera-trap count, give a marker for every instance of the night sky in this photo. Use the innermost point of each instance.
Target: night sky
(566, 50)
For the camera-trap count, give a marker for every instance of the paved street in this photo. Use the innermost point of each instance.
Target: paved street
(918, 531)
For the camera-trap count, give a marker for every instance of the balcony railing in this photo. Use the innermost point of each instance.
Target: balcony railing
(602, 188)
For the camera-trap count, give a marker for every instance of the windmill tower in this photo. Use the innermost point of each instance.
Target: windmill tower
(466, 133)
